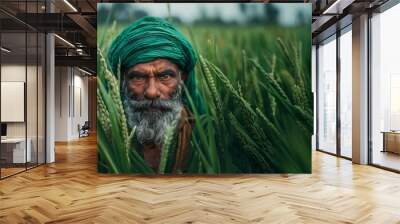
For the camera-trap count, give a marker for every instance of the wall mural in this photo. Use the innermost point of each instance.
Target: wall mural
(204, 88)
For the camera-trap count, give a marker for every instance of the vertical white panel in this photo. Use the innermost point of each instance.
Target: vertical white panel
(12, 101)
(50, 110)
(360, 90)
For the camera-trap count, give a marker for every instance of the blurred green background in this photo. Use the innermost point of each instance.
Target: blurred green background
(254, 74)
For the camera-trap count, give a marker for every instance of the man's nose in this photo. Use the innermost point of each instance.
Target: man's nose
(151, 91)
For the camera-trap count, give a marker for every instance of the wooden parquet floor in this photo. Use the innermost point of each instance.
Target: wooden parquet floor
(71, 191)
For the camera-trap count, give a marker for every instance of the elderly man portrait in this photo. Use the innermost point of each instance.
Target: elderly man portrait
(186, 92)
(155, 62)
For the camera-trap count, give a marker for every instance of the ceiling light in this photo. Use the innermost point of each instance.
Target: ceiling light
(84, 71)
(70, 5)
(5, 49)
(65, 41)
(331, 7)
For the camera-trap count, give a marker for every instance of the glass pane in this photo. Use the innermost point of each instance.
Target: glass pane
(41, 98)
(13, 86)
(32, 85)
(23, 85)
(327, 96)
(313, 80)
(346, 94)
(31, 97)
(386, 89)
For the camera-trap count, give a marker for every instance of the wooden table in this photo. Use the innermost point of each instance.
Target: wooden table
(391, 141)
(13, 150)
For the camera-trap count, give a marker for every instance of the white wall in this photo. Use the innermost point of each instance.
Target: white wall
(61, 103)
(9, 73)
(71, 94)
(17, 73)
(80, 109)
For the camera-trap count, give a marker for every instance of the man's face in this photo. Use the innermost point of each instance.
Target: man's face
(152, 99)
(157, 79)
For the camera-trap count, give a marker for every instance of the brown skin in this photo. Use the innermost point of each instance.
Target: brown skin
(152, 80)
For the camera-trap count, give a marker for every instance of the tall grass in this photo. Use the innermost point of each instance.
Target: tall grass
(258, 118)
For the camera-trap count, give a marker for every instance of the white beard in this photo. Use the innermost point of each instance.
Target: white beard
(151, 124)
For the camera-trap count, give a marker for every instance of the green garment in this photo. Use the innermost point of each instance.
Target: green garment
(152, 38)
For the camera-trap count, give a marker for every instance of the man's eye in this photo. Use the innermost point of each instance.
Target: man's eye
(137, 78)
(164, 76)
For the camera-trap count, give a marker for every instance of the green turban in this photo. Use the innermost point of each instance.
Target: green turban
(152, 38)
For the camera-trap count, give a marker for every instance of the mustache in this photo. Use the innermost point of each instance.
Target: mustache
(141, 104)
(148, 105)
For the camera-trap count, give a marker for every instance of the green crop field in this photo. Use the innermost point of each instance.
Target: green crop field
(256, 82)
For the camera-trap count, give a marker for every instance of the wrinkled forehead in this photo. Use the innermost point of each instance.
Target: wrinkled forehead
(155, 66)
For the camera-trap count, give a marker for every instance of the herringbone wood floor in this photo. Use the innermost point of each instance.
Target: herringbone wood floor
(70, 191)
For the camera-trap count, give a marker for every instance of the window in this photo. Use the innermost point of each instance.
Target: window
(346, 92)
(327, 95)
(385, 89)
